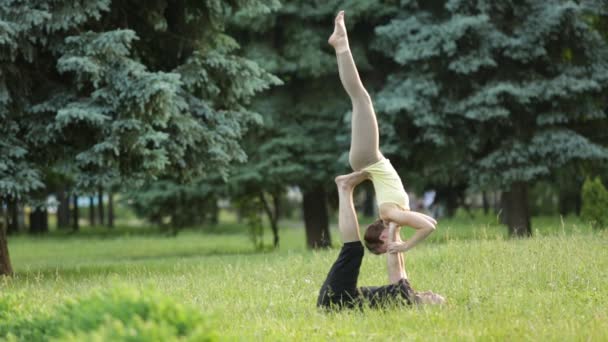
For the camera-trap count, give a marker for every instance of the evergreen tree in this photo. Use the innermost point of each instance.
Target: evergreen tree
(121, 90)
(508, 91)
(174, 206)
(595, 201)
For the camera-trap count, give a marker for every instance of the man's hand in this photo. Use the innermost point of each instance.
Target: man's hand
(395, 247)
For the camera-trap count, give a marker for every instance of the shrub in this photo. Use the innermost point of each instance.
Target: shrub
(595, 203)
(120, 314)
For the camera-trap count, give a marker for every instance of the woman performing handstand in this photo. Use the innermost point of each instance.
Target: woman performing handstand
(365, 155)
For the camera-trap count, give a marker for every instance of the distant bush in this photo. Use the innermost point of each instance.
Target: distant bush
(114, 315)
(595, 203)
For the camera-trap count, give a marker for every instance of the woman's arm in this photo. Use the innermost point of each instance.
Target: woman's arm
(423, 224)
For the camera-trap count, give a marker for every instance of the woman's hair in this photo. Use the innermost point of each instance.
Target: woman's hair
(372, 236)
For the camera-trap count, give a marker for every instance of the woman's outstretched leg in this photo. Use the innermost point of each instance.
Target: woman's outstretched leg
(364, 143)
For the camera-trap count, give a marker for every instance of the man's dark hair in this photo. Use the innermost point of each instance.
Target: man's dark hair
(372, 236)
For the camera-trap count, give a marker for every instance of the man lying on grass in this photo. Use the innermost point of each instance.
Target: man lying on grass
(340, 288)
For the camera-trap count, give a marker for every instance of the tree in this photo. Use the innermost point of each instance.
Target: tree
(251, 188)
(63, 209)
(110, 209)
(175, 206)
(120, 90)
(39, 222)
(100, 205)
(13, 215)
(511, 88)
(75, 214)
(5, 265)
(595, 202)
(92, 210)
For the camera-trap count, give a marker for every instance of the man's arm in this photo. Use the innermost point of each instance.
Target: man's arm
(395, 262)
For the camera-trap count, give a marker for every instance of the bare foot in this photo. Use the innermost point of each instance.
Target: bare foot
(339, 38)
(429, 298)
(349, 181)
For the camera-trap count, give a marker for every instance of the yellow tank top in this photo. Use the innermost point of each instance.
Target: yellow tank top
(387, 184)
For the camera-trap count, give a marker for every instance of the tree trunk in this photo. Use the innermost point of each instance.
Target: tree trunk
(39, 220)
(569, 202)
(278, 205)
(517, 213)
(316, 218)
(272, 216)
(101, 211)
(448, 196)
(178, 219)
(13, 217)
(92, 210)
(276, 199)
(497, 203)
(504, 208)
(20, 216)
(110, 209)
(214, 217)
(451, 204)
(5, 260)
(5, 213)
(578, 204)
(486, 202)
(63, 211)
(369, 205)
(75, 214)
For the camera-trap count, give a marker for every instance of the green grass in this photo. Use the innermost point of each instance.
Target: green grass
(549, 287)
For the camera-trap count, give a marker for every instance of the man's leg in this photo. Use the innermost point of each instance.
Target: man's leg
(340, 286)
(347, 217)
(364, 145)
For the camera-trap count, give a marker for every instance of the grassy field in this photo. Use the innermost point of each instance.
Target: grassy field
(550, 287)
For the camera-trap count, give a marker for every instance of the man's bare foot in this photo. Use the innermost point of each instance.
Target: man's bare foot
(429, 298)
(339, 38)
(351, 180)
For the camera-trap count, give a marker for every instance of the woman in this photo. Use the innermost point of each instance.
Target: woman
(365, 155)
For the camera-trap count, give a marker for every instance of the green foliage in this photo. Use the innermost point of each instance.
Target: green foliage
(17, 174)
(500, 92)
(250, 209)
(595, 203)
(118, 314)
(103, 91)
(175, 206)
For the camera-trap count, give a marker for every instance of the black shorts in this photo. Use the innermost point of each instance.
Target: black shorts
(340, 288)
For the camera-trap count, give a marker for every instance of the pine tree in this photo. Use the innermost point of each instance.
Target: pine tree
(514, 89)
(108, 91)
(174, 206)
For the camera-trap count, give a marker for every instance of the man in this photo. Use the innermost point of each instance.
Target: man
(340, 288)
